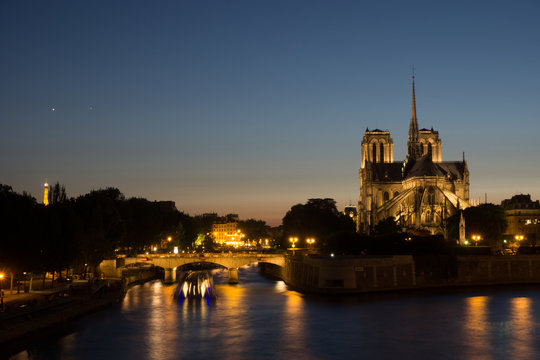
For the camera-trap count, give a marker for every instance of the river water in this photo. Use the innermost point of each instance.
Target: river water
(261, 319)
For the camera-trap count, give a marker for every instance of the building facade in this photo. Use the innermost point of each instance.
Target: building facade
(420, 192)
(523, 217)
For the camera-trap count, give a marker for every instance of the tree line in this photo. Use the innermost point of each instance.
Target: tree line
(80, 232)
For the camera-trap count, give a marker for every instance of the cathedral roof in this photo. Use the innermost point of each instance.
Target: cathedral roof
(453, 169)
(424, 166)
(386, 171)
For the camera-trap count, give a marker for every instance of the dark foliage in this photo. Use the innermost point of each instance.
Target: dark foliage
(318, 218)
(85, 230)
(254, 229)
(387, 226)
(486, 220)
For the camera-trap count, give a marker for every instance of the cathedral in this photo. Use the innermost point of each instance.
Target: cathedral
(420, 192)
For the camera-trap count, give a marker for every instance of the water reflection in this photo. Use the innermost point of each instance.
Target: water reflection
(477, 327)
(522, 334)
(262, 319)
(161, 323)
(294, 323)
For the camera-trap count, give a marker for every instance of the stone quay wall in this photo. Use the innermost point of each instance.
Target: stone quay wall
(365, 274)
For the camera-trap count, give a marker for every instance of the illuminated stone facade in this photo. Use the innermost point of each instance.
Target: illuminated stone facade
(420, 192)
(523, 217)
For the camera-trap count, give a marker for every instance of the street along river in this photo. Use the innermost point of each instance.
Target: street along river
(261, 319)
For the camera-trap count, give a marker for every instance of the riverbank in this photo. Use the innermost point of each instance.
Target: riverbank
(33, 313)
(372, 274)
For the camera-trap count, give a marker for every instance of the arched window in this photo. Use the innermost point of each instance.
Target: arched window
(374, 155)
(396, 194)
(431, 195)
(386, 196)
(381, 152)
(430, 150)
(429, 216)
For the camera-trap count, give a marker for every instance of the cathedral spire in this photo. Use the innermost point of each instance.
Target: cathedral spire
(413, 146)
(413, 127)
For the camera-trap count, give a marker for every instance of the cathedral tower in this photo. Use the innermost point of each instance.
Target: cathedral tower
(45, 193)
(377, 147)
(430, 144)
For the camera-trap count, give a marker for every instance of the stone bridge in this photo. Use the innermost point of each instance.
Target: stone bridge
(171, 262)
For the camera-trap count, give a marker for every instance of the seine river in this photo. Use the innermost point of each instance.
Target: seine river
(261, 319)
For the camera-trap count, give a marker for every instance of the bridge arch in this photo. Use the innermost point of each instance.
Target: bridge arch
(231, 261)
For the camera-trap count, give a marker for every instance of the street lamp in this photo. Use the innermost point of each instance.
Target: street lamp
(476, 238)
(310, 241)
(519, 237)
(293, 241)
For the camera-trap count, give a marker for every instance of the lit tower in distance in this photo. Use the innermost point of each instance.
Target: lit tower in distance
(45, 193)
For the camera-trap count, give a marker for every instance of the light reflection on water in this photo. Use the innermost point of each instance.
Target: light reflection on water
(523, 329)
(262, 319)
(477, 326)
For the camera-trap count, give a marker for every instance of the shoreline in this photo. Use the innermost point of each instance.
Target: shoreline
(20, 324)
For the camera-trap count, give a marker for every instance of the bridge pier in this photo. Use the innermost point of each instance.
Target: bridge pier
(170, 276)
(233, 275)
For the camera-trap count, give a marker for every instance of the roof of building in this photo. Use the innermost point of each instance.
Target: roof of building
(377, 131)
(386, 171)
(424, 166)
(520, 201)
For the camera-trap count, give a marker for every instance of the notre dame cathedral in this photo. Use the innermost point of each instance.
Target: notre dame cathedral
(420, 192)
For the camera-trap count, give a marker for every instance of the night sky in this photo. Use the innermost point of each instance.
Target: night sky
(250, 107)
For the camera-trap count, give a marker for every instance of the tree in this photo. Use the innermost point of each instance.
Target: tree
(487, 220)
(57, 194)
(386, 227)
(318, 218)
(254, 229)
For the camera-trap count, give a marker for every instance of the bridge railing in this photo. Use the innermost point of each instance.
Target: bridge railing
(210, 255)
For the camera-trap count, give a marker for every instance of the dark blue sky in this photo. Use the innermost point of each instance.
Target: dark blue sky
(254, 106)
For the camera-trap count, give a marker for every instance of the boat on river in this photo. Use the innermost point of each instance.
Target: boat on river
(196, 285)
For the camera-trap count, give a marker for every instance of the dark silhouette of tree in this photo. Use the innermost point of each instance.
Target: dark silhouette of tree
(57, 194)
(386, 227)
(318, 218)
(20, 231)
(254, 229)
(486, 220)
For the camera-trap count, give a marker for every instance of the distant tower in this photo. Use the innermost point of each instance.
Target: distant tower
(462, 230)
(45, 193)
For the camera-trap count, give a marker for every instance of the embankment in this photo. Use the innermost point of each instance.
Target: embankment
(367, 274)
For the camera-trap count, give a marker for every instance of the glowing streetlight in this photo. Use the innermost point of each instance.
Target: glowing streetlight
(169, 239)
(293, 241)
(476, 238)
(519, 237)
(310, 241)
